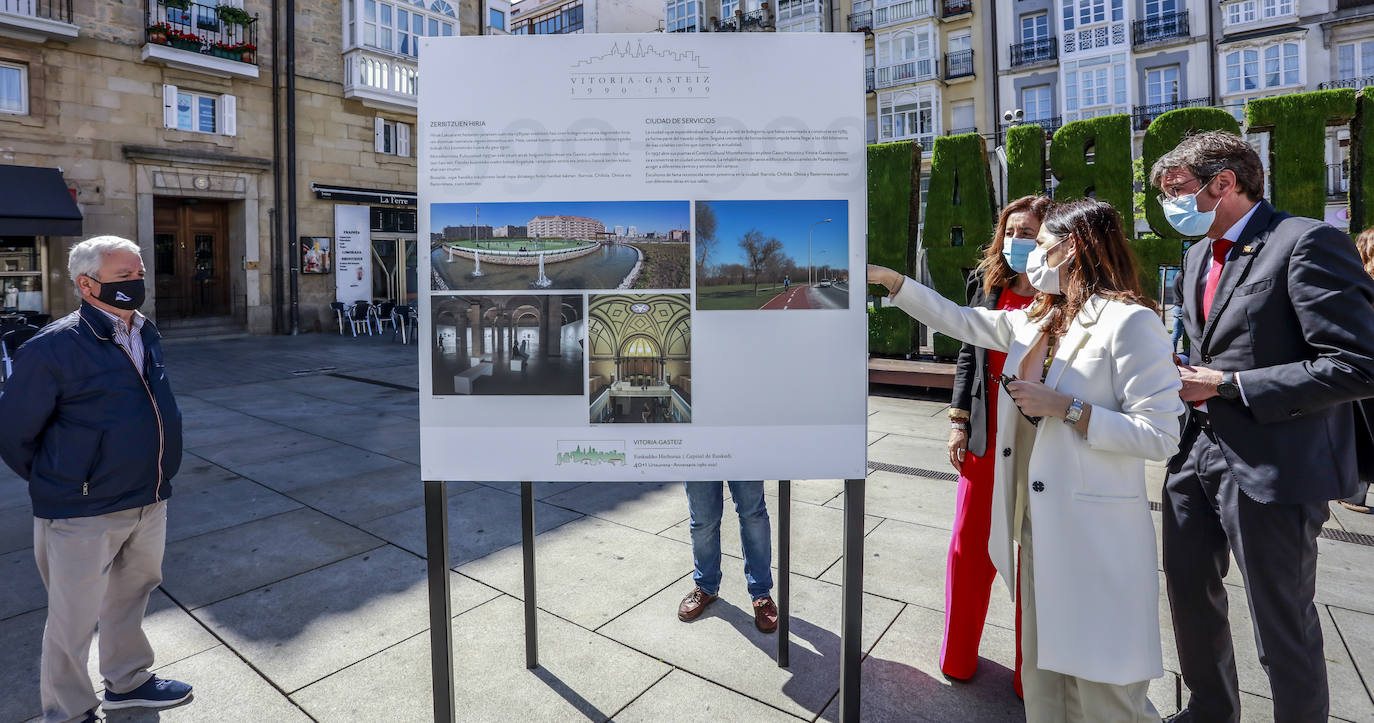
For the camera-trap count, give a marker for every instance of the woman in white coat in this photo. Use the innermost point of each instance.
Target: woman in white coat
(1095, 395)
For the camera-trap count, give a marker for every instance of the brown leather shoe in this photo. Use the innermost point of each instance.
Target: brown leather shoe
(765, 615)
(694, 604)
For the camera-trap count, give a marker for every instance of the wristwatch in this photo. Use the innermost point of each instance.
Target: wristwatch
(1228, 389)
(1075, 412)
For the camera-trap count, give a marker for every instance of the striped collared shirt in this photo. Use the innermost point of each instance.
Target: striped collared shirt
(130, 339)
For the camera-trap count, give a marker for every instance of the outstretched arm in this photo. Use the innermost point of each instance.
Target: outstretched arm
(980, 327)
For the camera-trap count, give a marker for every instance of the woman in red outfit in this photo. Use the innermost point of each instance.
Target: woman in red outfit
(999, 282)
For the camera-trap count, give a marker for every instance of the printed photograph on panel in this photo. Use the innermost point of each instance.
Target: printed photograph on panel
(639, 350)
(772, 255)
(508, 345)
(584, 246)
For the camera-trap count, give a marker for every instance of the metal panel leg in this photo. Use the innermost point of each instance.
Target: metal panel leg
(440, 612)
(527, 545)
(784, 571)
(851, 611)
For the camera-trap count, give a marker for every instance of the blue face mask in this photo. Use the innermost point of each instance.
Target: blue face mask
(1016, 251)
(1182, 213)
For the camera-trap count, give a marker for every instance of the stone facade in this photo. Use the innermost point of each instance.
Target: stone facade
(96, 112)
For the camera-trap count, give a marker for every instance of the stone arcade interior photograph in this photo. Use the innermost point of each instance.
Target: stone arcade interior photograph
(640, 361)
(508, 345)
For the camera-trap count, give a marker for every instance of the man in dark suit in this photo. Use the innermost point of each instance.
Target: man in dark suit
(1278, 309)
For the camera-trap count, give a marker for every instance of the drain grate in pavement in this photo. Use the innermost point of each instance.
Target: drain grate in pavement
(378, 382)
(1355, 538)
(913, 471)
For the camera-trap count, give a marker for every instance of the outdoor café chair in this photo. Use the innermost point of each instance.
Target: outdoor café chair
(361, 315)
(382, 313)
(339, 311)
(402, 320)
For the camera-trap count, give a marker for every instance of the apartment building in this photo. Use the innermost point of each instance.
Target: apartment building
(554, 17)
(154, 122)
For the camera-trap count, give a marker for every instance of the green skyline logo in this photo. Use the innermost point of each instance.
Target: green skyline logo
(591, 453)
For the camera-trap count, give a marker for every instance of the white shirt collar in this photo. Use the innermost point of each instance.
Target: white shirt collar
(119, 323)
(1236, 230)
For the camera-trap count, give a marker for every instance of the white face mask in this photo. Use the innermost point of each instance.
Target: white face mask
(1184, 215)
(1042, 276)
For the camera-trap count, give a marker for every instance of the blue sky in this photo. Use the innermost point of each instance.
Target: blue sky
(661, 216)
(788, 221)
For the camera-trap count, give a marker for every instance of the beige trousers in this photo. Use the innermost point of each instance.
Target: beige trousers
(98, 570)
(1057, 698)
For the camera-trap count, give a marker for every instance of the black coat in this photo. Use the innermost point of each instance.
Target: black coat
(1292, 317)
(971, 374)
(88, 433)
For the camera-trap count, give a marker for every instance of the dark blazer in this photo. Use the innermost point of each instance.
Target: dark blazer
(88, 433)
(971, 373)
(1292, 314)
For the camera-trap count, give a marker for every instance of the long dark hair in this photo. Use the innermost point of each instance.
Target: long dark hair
(997, 273)
(1102, 264)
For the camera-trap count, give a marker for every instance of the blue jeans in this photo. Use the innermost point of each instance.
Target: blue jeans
(706, 502)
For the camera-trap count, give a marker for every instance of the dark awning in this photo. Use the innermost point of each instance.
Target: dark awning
(364, 195)
(35, 202)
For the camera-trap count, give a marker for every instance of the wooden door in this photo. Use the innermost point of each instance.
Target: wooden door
(190, 265)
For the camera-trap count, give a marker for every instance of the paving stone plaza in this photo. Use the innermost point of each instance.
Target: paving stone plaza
(295, 575)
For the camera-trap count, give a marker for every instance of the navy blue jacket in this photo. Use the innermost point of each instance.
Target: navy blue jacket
(78, 422)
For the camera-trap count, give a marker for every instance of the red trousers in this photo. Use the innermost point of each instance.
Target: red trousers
(969, 573)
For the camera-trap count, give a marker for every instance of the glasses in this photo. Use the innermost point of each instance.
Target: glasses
(1176, 190)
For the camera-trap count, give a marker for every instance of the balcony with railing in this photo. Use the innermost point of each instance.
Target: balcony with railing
(37, 20)
(961, 131)
(381, 80)
(868, 80)
(892, 13)
(1356, 83)
(1095, 37)
(912, 71)
(1338, 180)
(742, 22)
(1162, 28)
(217, 40)
(959, 64)
(1034, 52)
(1050, 125)
(1144, 115)
(861, 22)
(955, 8)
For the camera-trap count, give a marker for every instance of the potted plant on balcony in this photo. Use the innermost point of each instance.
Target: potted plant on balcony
(183, 40)
(231, 15)
(228, 51)
(246, 51)
(157, 33)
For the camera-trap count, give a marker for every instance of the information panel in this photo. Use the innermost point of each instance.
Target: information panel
(645, 257)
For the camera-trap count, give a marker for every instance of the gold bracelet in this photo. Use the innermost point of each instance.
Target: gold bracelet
(958, 414)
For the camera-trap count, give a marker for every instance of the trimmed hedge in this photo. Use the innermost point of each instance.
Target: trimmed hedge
(890, 331)
(960, 198)
(1299, 125)
(1025, 161)
(1362, 163)
(1165, 132)
(1152, 253)
(894, 207)
(1108, 177)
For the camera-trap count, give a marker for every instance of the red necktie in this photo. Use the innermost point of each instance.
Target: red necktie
(1220, 248)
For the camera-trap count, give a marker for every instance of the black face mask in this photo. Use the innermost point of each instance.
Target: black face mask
(127, 295)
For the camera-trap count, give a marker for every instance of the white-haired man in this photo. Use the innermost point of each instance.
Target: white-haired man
(91, 424)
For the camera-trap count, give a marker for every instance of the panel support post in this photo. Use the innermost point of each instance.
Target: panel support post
(440, 609)
(784, 571)
(527, 546)
(852, 592)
